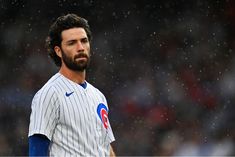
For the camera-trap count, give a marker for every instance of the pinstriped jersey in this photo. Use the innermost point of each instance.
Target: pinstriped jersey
(75, 119)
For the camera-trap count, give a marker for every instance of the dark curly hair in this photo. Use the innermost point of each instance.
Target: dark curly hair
(63, 23)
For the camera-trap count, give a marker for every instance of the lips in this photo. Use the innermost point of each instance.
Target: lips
(81, 56)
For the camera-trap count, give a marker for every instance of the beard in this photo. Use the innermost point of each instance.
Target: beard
(74, 64)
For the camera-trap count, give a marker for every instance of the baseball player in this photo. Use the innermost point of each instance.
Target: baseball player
(70, 116)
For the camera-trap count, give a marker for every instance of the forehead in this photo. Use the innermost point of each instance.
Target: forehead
(73, 33)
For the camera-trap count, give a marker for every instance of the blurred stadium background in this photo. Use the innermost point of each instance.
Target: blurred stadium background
(167, 69)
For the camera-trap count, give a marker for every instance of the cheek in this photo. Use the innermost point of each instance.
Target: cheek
(88, 49)
(70, 51)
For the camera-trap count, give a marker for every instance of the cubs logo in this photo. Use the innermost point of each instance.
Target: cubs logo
(102, 112)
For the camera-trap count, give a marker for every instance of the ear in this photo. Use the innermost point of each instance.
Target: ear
(58, 51)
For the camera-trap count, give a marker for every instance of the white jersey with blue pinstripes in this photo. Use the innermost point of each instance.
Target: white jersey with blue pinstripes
(73, 118)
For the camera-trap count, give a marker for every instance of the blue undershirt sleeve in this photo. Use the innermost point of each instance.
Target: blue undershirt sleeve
(38, 145)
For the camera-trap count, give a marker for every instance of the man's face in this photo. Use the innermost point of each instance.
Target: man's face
(75, 49)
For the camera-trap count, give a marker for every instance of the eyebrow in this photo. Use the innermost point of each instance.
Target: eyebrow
(73, 40)
(70, 41)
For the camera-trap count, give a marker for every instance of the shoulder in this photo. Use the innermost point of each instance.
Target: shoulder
(48, 90)
(95, 90)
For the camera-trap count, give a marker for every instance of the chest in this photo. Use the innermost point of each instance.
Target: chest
(79, 108)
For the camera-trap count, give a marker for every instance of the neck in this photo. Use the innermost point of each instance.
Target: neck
(75, 76)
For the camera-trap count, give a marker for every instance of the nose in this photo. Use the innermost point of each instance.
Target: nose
(80, 46)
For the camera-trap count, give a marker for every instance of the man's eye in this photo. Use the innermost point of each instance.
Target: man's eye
(71, 43)
(85, 40)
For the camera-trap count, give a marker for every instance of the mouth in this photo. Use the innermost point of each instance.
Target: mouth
(81, 57)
